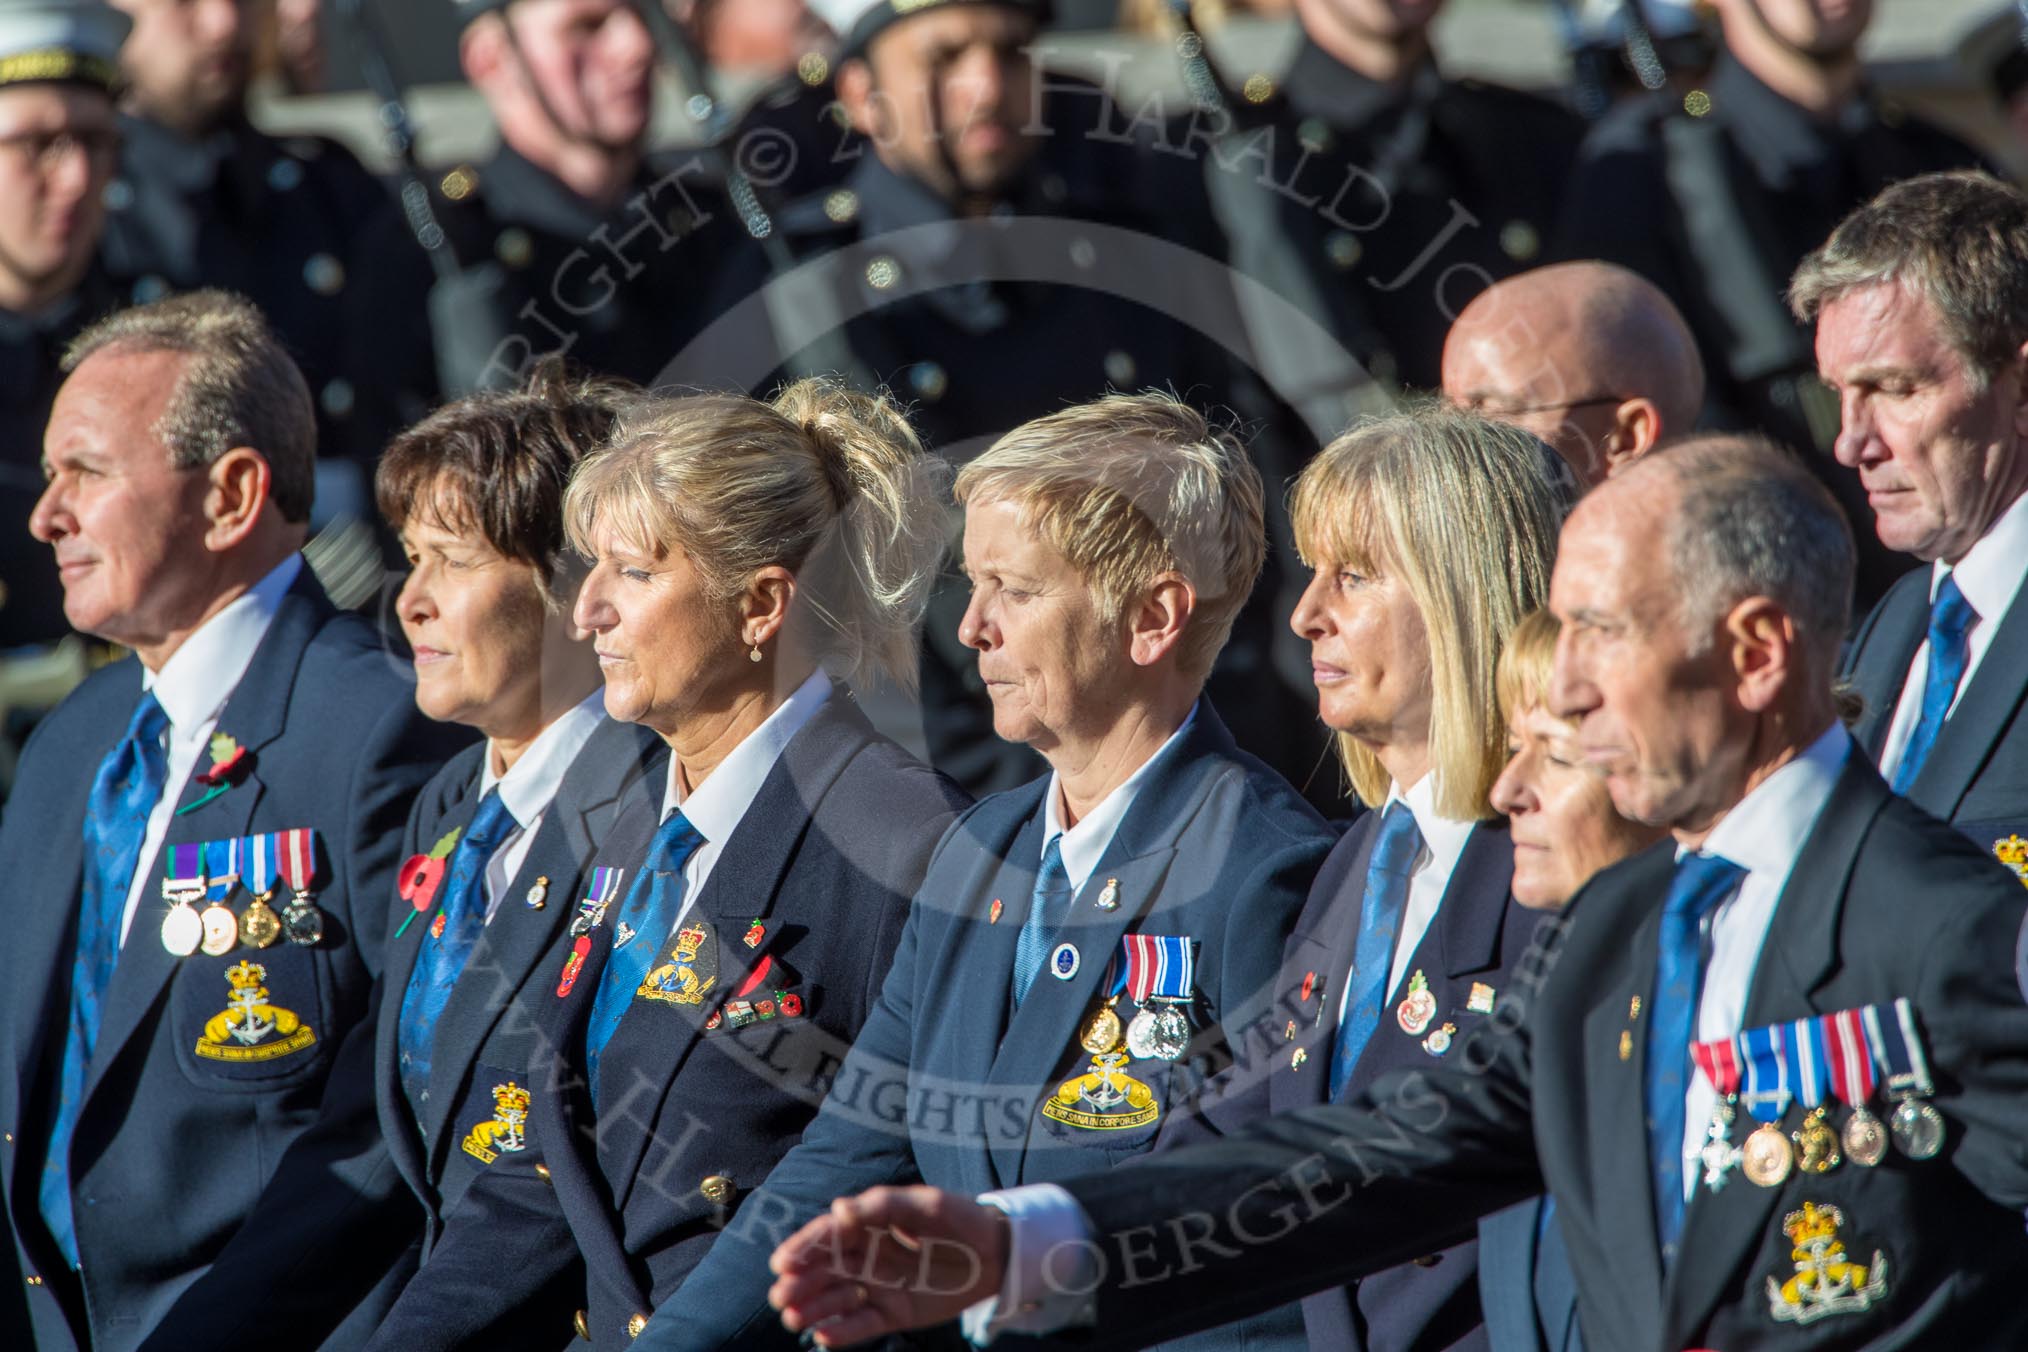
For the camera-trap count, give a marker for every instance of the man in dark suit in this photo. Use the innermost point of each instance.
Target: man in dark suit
(1716, 193)
(1797, 888)
(1919, 299)
(191, 1153)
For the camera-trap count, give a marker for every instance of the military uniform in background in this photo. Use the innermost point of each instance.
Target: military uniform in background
(1716, 196)
(31, 597)
(981, 324)
(793, 139)
(618, 290)
(1380, 209)
(280, 221)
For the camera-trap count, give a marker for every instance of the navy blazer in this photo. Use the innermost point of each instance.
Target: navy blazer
(805, 906)
(1976, 777)
(1473, 944)
(945, 1087)
(219, 1202)
(1884, 902)
(485, 1037)
(1526, 1287)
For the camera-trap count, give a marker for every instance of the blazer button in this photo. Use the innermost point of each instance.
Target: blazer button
(636, 1324)
(717, 1189)
(542, 1172)
(35, 1281)
(577, 1322)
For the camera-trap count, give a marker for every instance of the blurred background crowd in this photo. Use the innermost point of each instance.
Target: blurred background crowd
(1275, 208)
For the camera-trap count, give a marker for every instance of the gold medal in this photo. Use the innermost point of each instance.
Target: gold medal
(221, 929)
(1102, 1031)
(1766, 1158)
(1865, 1138)
(259, 926)
(1816, 1145)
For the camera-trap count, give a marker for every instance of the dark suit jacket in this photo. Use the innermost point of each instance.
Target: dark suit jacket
(944, 1086)
(824, 863)
(1477, 937)
(1976, 777)
(486, 1035)
(219, 1202)
(1525, 1284)
(1883, 902)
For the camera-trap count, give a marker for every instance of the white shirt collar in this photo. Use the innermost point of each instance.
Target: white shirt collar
(1086, 843)
(194, 684)
(532, 782)
(1443, 839)
(1992, 570)
(716, 806)
(1765, 831)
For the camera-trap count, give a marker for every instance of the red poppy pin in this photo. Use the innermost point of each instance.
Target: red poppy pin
(422, 875)
(229, 761)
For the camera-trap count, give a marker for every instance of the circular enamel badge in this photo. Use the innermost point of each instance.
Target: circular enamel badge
(1063, 962)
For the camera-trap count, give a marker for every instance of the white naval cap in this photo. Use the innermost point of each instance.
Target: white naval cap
(856, 22)
(74, 41)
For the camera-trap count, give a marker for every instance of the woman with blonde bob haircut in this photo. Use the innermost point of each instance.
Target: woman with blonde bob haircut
(745, 558)
(1429, 534)
(1564, 829)
(1109, 547)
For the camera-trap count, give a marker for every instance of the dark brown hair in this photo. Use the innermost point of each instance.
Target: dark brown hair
(498, 461)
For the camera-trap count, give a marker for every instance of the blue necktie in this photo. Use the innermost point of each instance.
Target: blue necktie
(1701, 882)
(1950, 619)
(1380, 911)
(444, 956)
(1046, 911)
(124, 792)
(649, 913)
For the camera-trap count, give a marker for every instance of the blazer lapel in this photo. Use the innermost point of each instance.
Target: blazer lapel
(1616, 1068)
(1467, 931)
(1324, 945)
(1799, 954)
(254, 715)
(616, 756)
(1969, 735)
(1902, 627)
(743, 888)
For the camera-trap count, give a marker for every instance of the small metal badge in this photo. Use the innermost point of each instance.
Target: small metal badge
(1481, 999)
(538, 895)
(1064, 962)
(1109, 898)
(1439, 1041)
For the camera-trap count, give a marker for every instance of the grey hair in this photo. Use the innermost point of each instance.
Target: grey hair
(831, 484)
(240, 387)
(1958, 240)
(1752, 521)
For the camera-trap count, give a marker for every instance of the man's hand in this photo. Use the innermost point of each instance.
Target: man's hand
(888, 1260)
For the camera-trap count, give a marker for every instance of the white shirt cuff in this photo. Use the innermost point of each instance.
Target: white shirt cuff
(1052, 1267)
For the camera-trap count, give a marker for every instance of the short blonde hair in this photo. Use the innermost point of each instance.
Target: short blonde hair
(1522, 677)
(1132, 486)
(831, 484)
(1464, 511)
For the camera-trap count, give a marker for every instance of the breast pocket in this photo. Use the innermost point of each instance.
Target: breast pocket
(252, 1020)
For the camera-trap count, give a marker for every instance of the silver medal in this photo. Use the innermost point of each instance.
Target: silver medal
(182, 930)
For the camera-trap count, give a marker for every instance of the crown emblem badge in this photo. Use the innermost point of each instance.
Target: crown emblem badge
(1826, 1280)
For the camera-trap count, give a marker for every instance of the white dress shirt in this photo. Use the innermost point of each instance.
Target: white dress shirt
(1762, 834)
(1990, 576)
(1087, 842)
(1429, 877)
(530, 787)
(192, 688)
(1051, 1260)
(716, 806)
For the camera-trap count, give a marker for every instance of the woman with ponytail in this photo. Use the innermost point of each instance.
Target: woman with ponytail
(749, 563)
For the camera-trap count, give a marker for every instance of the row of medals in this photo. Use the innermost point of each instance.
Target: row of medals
(1160, 1029)
(1770, 1155)
(217, 931)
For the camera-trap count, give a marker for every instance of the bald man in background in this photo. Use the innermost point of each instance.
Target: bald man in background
(1588, 356)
